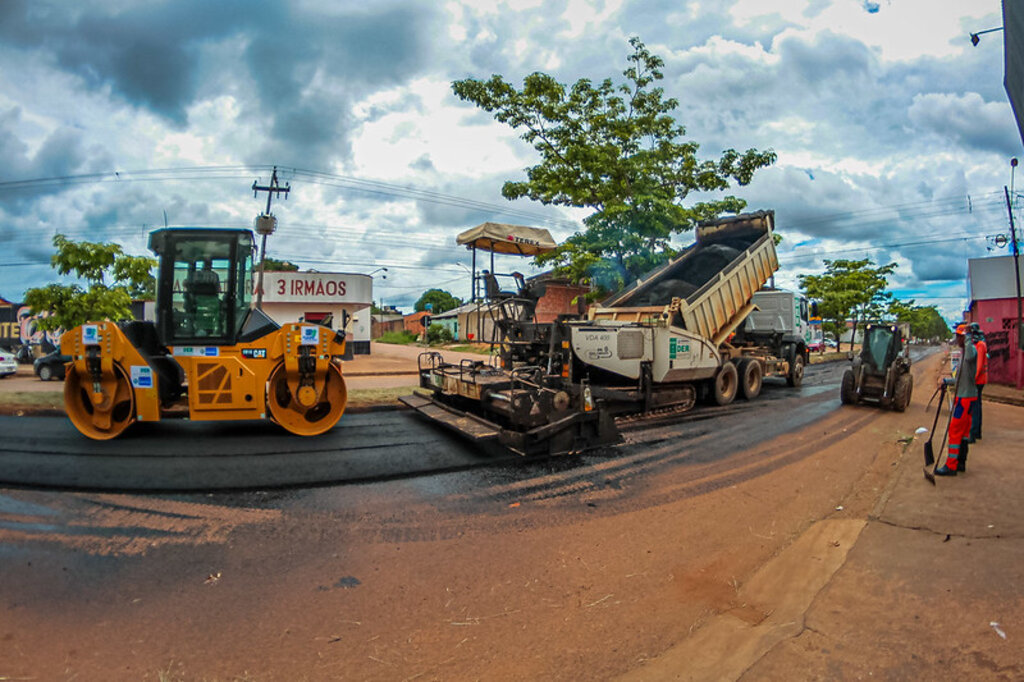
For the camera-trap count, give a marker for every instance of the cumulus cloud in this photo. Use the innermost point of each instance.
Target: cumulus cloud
(966, 121)
(879, 143)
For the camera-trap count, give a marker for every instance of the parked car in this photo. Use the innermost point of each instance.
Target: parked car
(51, 366)
(8, 364)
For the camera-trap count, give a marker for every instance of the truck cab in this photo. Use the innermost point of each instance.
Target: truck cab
(785, 315)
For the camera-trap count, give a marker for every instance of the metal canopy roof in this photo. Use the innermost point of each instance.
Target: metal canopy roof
(500, 238)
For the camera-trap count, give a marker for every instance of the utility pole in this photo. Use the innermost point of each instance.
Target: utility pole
(266, 223)
(1016, 268)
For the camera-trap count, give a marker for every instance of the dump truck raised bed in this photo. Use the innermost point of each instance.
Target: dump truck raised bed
(661, 343)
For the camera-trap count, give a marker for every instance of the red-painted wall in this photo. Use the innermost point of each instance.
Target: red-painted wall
(412, 322)
(998, 320)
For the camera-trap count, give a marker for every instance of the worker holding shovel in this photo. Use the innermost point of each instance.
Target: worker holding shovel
(965, 392)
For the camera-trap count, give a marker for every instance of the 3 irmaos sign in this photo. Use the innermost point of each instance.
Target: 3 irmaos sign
(316, 287)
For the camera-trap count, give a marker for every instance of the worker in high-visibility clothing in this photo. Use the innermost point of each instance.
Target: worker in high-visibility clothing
(976, 335)
(966, 393)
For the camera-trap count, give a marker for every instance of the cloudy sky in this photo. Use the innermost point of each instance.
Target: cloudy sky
(893, 133)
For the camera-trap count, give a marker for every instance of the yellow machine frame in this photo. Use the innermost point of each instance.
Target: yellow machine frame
(290, 374)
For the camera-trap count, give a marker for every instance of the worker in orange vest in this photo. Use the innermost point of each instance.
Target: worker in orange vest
(975, 333)
(965, 395)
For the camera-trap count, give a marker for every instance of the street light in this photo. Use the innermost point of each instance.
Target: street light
(974, 36)
(378, 270)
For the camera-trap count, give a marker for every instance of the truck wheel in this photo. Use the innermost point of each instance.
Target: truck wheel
(723, 387)
(751, 378)
(901, 395)
(847, 394)
(796, 370)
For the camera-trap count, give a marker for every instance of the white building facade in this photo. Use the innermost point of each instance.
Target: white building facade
(318, 296)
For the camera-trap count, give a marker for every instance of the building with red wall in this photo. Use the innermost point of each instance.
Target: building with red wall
(414, 323)
(560, 298)
(993, 306)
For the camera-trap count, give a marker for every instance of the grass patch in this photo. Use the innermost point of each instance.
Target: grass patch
(478, 348)
(33, 400)
(830, 356)
(401, 338)
(366, 397)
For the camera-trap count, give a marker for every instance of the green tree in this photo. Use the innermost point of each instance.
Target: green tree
(925, 321)
(849, 289)
(113, 280)
(438, 334)
(274, 265)
(618, 150)
(442, 301)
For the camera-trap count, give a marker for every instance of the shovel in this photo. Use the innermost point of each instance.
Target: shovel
(929, 453)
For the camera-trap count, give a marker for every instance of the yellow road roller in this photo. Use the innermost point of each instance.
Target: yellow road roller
(209, 356)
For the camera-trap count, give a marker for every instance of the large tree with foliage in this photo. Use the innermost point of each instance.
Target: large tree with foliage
(440, 299)
(113, 280)
(925, 321)
(618, 150)
(849, 289)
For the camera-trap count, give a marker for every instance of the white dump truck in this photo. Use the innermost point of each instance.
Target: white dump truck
(702, 320)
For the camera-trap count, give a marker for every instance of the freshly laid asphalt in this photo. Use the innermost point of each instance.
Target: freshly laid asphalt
(178, 454)
(188, 455)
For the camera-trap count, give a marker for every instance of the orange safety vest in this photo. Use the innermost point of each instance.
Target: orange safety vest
(981, 378)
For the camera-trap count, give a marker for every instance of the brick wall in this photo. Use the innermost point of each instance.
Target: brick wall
(557, 300)
(412, 322)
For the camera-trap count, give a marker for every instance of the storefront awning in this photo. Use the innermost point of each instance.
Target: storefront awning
(501, 238)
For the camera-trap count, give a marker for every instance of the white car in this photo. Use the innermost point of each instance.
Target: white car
(8, 365)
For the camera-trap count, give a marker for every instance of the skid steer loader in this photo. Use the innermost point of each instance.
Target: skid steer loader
(209, 355)
(880, 375)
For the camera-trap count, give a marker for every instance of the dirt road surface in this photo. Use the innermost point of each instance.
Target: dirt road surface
(840, 563)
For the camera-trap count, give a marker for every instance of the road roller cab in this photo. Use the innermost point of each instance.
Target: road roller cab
(210, 355)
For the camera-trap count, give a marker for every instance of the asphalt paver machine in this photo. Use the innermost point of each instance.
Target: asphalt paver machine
(880, 375)
(209, 356)
(650, 348)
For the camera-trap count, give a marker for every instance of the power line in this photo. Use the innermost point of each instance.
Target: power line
(904, 211)
(313, 177)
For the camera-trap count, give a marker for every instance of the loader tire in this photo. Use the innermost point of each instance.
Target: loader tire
(847, 394)
(725, 384)
(751, 378)
(902, 392)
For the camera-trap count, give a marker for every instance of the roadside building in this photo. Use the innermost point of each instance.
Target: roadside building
(319, 297)
(388, 320)
(993, 305)
(414, 323)
(18, 329)
(449, 319)
(322, 297)
(561, 297)
(474, 321)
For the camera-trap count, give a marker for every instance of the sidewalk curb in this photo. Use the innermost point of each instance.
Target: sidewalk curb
(14, 411)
